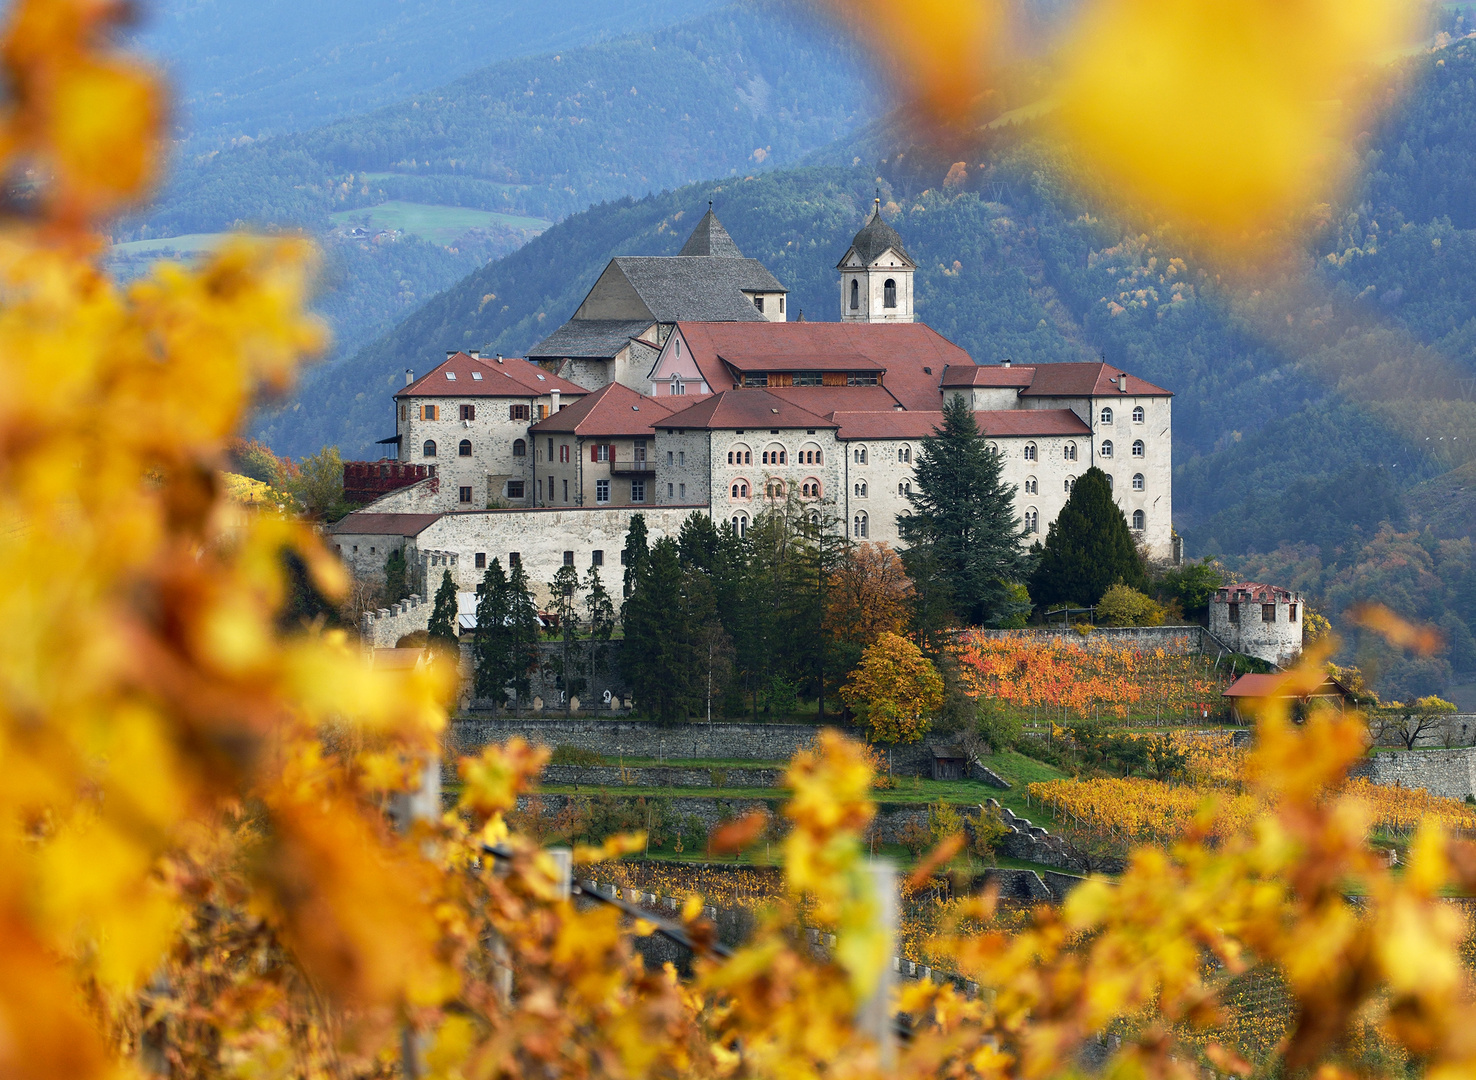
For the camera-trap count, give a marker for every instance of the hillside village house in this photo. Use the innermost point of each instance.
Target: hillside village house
(679, 384)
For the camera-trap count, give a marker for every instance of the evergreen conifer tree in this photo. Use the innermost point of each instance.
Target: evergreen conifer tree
(656, 653)
(601, 611)
(396, 577)
(636, 553)
(490, 651)
(1088, 548)
(962, 534)
(522, 634)
(443, 632)
(564, 591)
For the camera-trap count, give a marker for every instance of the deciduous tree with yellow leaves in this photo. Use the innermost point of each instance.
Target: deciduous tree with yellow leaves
(895, 690)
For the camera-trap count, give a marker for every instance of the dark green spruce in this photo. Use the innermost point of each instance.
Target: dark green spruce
(1088, 549)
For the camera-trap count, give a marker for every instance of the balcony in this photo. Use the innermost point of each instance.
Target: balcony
(632, 468)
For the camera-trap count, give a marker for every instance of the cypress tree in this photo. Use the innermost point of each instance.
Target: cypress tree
(1088, 548)
(962, 535)
(443, 631)
(490, 651)
(522, 634)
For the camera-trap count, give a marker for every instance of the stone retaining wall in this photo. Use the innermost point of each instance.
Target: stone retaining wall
(639, 738)
(1451, 773)
(1171, 639)
(660, 776)
(1025, 840)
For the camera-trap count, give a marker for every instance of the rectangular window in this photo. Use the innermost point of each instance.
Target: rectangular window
(755, 380)
(517, 412)
(1234, 613)
(566, 491)
(670, 491)
(402, 412)
(1268, 612)
(427, 412)
(597, 557)
(481, 560)
(550, 449)
(514, 559)
(864, 378)
(781, 305)
(758, 302)
(639, 452)
(682, 492)
(564, 453)
(670, 458)
(807, 378)
(465, 494)
(468, 412)
(637, 491)
(1291, 613)
(568, 558)
(515, 489)
(681, 457)
(602, 491)
(540, 491)
(601, 452)
(543, 412)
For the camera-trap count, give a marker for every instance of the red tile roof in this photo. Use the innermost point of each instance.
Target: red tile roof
(745, 409)
(1271, 686)
(360, 523)
(1092, 379)
(612, 410)
(825, 400)
(786, 361)
(1004, 423)
(511, 376)
(895, 424)
(957, 375)
(913, 354)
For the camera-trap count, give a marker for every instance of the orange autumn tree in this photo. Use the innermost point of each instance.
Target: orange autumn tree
(894, 691)
(869, 595)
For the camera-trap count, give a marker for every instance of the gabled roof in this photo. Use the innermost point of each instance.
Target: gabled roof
(825, 400)
(1277, 686)
(1092, 379)
(696, 286)
(1007, 423)
(961, 375)
(913, 354)
(610, 412)
(362, 523)
(461, 375)
(596, 339)
(872, 242)
(710, 238)
(748, 410)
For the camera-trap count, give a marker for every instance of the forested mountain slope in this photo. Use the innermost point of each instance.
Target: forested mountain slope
(1316, 413)
(738, 90)
(266, 67)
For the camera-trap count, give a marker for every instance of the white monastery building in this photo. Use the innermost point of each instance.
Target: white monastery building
(680, 385)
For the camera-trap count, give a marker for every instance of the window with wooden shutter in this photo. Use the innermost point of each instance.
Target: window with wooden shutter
(468, 412)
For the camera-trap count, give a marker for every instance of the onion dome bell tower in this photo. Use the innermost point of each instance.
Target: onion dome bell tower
(876, 275)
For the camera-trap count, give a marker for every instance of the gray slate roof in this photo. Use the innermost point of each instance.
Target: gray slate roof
(710, 238)
(874, 239)
(590, 338)
(698, 288)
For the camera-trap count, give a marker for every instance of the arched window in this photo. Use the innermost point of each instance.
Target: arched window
(889, 293)
(1137, 481)
(1069, 451)
(811, 489)
(1106, 415)
(740, 489)
(1106, 447)
(520, 448)
(1032, 486)
(464, 449)
(1030, 451)
(809, 454)
(740, 524)
(1140, 520)
(740, 455)
(1138, 415)
(1109, 481)
(855, 295)
(858, 526)
(859, 455)
(1137, 448)
(1032, 519)
(994, 449)
(1070, 483)
(904, 454)
(429, 449)
(861, 490)
(774, 489)
(904, 488)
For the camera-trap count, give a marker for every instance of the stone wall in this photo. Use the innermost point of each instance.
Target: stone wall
(1171, 639)
(615, 776)
(1451, 773)
(381, 629)
(1451, 730)
(1025, 840)
(639, 738)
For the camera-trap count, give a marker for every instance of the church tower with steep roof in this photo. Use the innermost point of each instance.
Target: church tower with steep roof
(876, 275)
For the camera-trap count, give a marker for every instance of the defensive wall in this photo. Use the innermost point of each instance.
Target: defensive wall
(1171, 639)
(1451, 773)
(381, 629)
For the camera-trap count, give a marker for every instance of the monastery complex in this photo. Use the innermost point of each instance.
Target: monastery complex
(680, 384)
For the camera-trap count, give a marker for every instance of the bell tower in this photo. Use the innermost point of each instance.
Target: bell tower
(876, 275)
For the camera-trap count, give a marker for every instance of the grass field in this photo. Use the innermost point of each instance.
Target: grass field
(188, 244)
(438, 224)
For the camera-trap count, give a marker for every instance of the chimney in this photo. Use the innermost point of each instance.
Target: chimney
(409, 376)
(450, 353)
(475, 354)
(554, 397)
(1005, 362)
(499, 358)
